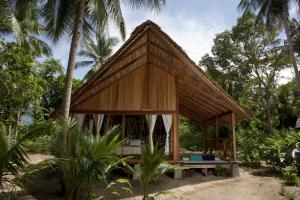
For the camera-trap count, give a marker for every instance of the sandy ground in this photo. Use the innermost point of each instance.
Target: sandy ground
(251, 185)
(36, 158)
(246, 187)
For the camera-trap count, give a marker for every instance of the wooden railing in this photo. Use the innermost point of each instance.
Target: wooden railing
(221, 147)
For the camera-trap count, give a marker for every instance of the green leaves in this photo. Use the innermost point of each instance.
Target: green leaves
(98, 52)
(84, 160)
(20, 86)
(153, 165)
(12, 156)
(191, 135)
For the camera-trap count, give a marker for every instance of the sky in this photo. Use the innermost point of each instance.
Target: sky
(193, 24)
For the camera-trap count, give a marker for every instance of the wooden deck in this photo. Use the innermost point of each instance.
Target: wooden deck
(209, 164)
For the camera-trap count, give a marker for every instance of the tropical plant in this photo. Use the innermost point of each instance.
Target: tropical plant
(291, 175)
(12, 155)
(21, 88)
(98, 52)
(275, 12)
(246, 63)
(191, 136)
(76, 18)
(153, 165)
(221, 171)
(290, 195)
(250, 138)
(82, 160)
(52, 72)
(21, 18)
(39, 144)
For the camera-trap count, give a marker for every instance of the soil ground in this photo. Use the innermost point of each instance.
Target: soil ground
(253, 184)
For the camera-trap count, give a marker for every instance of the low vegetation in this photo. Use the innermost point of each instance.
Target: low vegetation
(153, 165)
(289, 195)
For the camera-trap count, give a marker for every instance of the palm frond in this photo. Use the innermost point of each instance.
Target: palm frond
(82, 64)
(59, 17)
(12, 156)
(149, 4)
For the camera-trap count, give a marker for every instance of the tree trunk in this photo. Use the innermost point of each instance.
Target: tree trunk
(292, 55)
(72, 59)
(9, 133)
(291, 49)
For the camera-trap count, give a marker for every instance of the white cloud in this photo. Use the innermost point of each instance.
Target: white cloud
(194, 35)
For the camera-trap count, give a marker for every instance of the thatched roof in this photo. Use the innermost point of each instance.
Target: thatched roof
(200, 97)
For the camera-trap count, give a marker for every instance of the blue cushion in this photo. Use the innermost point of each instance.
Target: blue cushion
(208, 157)
(196, 157)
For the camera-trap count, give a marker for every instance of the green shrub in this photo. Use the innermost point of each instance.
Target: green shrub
(221, 171)
(250, 139)
(39, 144)
(190, 135)
(288, 194)
(290, 175)
(271, 152)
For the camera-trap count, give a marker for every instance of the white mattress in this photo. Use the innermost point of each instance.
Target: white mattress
(131, 150)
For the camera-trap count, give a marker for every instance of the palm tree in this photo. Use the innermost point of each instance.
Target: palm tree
(98, 52)
(275, 12)
(153, 166)
(20, 18)
(76, 18)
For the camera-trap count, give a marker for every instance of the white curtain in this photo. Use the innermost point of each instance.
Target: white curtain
(99, 121)
(91, 126)
(79, 119)
(151, 119)
(168, 124)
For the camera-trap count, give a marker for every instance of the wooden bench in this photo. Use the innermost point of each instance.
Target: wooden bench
(203, 165)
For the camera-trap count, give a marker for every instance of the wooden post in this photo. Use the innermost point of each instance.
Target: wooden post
(233, 124)
(176, 126)
(175, 136)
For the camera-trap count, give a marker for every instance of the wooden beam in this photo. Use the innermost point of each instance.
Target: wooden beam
(121, 112)
(175, 137)
(233, 125)
(219, 116)
(198, 105)
(176, 126)
(206, 98)
(196, 109)
(188, 111)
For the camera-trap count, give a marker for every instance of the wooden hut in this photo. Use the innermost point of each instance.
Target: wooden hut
(150, 79)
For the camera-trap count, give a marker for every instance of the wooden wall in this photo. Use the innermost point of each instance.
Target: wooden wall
(148, 88)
